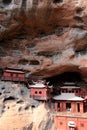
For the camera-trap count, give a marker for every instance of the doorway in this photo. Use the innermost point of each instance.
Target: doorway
(78, 107)
(68, 106)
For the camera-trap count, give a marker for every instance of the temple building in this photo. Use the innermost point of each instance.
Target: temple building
(70, 88)
(40, 91)
(69, 102)
(10, 74)
(70, 108)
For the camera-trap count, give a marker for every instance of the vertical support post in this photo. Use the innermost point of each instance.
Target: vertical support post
(81, 107)
(55, 106)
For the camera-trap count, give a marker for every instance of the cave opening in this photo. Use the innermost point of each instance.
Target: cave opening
(9, 99)
(7, 2)
(57, 1)
(34, 62)
(79, 10)
(71, 77)
(23, 61)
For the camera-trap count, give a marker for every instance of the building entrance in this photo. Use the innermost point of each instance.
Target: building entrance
(68, 106)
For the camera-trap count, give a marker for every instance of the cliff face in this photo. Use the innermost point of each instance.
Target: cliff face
(19, 112)
(49, 39)
(45, 37)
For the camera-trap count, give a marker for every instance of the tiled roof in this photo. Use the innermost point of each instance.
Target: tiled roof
(68, 97)
(69, 83)
(38, 85)
(14, 71)
(70, 87)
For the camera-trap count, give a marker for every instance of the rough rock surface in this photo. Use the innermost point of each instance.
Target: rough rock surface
(19, 112)
(46, 37)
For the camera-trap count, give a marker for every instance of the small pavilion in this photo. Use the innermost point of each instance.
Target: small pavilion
(40, 91)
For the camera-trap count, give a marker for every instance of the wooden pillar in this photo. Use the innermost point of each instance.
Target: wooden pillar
(81, 107)
(55, 106)
(64, 106)
(61, 106)
(64, 90)
(76, 108)
(73, 104)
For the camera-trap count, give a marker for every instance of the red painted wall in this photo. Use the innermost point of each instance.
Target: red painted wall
(74, 107)
(21, 75)
(5, 74)
(13, 76)
(62, 122)
(38, 90)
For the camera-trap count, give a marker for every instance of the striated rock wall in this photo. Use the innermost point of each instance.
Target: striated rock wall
(46, 37)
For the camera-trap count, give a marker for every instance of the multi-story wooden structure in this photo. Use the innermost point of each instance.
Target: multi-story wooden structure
(69, 102)
(70, 88)
(71, 107)
(73, 88)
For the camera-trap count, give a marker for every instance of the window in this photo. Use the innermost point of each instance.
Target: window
(58, 104)
(76, 91)
(40, 92)
(35, 92)
(82, 125)
(68, 106)
(78, 107)
(57, 1)
(61, 123)
(69, 91)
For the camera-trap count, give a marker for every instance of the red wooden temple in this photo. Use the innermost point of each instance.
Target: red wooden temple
(10, 74)
(71, 108)
(40, 91)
